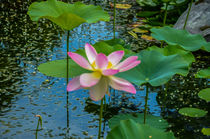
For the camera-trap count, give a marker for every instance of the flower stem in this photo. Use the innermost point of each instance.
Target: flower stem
(165, 17)
(114, 18)
(188, 14)
(100, 119)
(145, 106)
(67, 57)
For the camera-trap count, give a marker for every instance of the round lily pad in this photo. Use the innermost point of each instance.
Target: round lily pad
(205, 73)
(206, 131)
(205, 94)
(192, 112)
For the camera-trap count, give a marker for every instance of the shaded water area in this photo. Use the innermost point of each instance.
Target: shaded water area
(25, 92)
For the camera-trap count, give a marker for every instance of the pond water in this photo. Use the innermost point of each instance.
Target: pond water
(25, 92)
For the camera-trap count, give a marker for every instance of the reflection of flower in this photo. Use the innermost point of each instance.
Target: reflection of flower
(103, 68)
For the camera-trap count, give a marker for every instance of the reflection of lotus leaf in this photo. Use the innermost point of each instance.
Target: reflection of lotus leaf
(154, 121)
(155, 68)
(205, 73)
(205, 94)
(187, 41)
(67, 16)
(192, 112)
(128, 129)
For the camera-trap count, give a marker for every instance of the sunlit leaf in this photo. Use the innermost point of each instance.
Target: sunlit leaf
(128, 129)
(205, 94)
(121, 6)
(148, 38)
(155, 68)
(138, 30)
(192, 112)
(67, 16)
(205, 73)
(58, 68)
(153, 121)
(133, 34)
(187, 41)
(206, 131)
(171, 50)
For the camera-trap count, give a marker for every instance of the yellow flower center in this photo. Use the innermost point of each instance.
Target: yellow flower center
(97, 74)
(108, 66)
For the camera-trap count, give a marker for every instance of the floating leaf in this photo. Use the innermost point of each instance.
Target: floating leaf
(206, 131)
(153, 121)
(121, 6)
(155, 68)
(205, 73)
(128, 129)
(192, 112)
(58, 68)
(148, 38)
(133, 34)
(138, 30)
(205, 94)
(187, 41)
(67, 16)
(171, 50)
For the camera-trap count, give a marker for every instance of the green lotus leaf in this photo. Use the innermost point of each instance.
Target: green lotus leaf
(206, 131)
(187, 41)
(205, 94)
(155, 68)
(171, 50)
(58, 68)
(205, 73)
(129, 129)
(153, 121)
(147, 13)
(67, 16)
(192, 112)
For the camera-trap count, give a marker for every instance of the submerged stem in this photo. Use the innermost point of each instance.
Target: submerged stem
(145, 106)
(114, 18)
(100, 118)
(188, 14)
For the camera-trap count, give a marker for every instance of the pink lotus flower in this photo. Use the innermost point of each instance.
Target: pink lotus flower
(103, 67)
